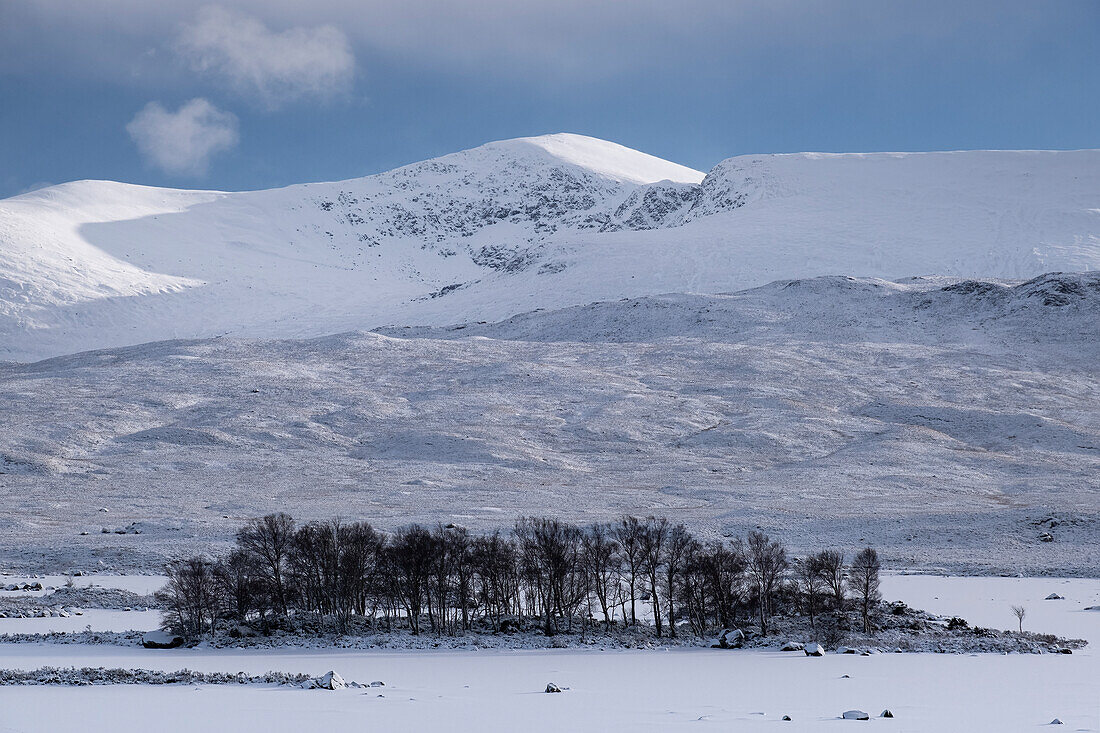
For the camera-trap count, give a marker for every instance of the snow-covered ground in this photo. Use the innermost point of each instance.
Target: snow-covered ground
(140, 584)
(684, 689)
(949, 424)
(517, 225)
(90, 619)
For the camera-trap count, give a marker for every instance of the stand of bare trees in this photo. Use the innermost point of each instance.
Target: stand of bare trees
(445, 580)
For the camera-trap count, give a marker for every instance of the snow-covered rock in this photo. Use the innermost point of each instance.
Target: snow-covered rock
(1054, 597)
(551, 687)
(730, 639)
(792, 646)
(814, 650)
(329, 681)
(855, 715)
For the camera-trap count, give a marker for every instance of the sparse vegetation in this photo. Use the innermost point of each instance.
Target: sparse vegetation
(445, 580)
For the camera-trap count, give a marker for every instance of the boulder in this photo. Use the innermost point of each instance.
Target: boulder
(551, 687)
(855, 715)
(886, 714)
(1054, 597)
(792, 646)
(785, 717)
(846, 650)
(330, 681)
(161, 639)
(378, 683)
(814, 650)
(730, 639)
(1056, 722)
(1046, 537)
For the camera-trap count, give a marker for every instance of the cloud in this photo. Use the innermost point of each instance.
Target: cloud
(579, 42)
(183, 142)
(275, 67)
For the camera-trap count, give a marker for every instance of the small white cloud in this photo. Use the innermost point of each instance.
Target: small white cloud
(183, 142)
(275, 67)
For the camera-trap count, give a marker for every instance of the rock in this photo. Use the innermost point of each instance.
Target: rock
(161, 639)
(551, 687)
(331, 681)
(886, 714)
(846, 650)
(855, 715)
(785, 717)
(845, 676)
(377, 683)
(814, 650)
(1046, 537)
(792, 646)
(730, 639)
(1056, 722)
(1063, 650)
(1054, 597)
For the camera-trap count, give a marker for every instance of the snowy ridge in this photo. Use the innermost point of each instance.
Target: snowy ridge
(1055, 307)
(512, 226)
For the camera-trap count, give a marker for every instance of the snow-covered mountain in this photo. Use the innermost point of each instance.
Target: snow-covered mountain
(509, 227)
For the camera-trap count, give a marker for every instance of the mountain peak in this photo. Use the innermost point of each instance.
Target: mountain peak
(602, 157)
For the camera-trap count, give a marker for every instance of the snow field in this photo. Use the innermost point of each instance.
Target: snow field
(681, 689)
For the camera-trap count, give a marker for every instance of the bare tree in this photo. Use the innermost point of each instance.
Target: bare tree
(767, 562)
(810, 582)
(722, 572)
(654, 537)
(551, 555)
(602, 563)
(677, 550)
(268, 539)
(1020, 612)
(412, 552)
(831, 566)
(495, 564)
(191, 598)
(628, 533)
(865, 579)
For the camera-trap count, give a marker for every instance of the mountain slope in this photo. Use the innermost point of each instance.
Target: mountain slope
(947, 423)
(517, 225)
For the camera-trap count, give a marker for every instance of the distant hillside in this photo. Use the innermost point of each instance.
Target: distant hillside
(948, 422)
